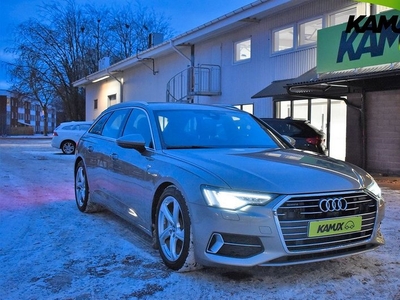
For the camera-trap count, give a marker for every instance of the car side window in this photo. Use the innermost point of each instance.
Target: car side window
(69, 127)
(138, 123)
(98, 126)
(84, 127)
(114, 124)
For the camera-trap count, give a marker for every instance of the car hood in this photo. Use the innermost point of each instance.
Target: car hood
(279, 171)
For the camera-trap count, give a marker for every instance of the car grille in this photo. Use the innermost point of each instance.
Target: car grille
(296, 213)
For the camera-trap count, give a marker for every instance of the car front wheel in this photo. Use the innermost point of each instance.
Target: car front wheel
(173, 231)
(68, 147)
(82, 191)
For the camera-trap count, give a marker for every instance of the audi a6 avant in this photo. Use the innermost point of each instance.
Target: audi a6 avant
(215, 186)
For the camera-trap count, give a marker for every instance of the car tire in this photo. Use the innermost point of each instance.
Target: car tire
(82, 195)
(68, 147)
(173, 231)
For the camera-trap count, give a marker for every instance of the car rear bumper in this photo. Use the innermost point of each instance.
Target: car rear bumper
(55, 143)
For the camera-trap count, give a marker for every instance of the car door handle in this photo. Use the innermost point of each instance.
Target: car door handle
(114, 156)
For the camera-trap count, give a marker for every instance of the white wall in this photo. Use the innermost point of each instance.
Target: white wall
(239, 81)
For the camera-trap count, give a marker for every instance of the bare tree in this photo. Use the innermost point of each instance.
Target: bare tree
(130, 28)
(66, 42)
(32, 76)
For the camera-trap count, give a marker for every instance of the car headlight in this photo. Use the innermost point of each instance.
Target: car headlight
(375, 189)
(233, 199)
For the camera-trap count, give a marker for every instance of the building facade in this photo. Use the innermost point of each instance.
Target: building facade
(23, 117)
(263, 58)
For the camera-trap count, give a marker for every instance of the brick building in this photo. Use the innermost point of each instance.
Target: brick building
(19, 117)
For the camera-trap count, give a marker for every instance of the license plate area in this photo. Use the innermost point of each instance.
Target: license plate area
(334, 226)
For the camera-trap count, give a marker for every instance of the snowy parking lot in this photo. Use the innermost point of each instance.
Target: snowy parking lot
(50, 250)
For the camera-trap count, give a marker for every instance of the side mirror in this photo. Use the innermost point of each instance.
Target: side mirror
(132, 141)
(290, 140)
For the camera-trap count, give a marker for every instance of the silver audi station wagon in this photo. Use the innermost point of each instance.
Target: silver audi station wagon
(215, 186)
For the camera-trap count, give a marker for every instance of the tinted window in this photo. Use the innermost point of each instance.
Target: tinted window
(113, 126)
(98, 126)
(291, 129)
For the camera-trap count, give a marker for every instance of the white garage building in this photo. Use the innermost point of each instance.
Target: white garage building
(263, 58)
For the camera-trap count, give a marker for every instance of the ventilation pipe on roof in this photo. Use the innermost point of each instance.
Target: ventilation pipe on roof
(155, 39)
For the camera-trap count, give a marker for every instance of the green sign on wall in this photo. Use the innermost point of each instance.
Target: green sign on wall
(363, 41)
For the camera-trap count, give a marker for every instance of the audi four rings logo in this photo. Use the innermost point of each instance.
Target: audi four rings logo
(332, 204)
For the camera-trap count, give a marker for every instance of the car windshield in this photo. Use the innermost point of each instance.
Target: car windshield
(181, 129)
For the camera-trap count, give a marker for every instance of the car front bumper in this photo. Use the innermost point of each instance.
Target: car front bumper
(260, 235)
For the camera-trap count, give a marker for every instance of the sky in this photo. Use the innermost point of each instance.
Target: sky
(184, 15)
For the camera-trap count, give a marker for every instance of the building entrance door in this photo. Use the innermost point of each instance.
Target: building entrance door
(324, 114)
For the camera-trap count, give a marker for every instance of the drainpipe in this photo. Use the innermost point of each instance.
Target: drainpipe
(372, 9)
(191, 60)
(121, 85)
(180, 52)
(363, 131)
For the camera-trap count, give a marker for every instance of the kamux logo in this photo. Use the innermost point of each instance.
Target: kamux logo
(374, 23)
(378, 32)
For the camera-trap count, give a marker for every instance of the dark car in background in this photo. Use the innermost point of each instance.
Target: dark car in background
(307, 137)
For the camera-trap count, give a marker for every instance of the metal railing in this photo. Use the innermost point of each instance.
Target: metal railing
(203, 80)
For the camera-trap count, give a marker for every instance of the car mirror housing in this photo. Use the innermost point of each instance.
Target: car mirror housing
(132, 141)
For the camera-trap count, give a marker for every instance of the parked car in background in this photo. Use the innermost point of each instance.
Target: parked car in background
(216, 186)
(307, 137)
(67, 134)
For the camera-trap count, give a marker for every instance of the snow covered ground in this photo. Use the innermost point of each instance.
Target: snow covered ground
(49, 250)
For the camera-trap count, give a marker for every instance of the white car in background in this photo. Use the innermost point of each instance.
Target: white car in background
(67, 134)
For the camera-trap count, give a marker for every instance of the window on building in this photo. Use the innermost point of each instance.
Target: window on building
(246, 107)
(341, 16)
(283, 39)
(381, 8)
(112, 99)
(308, 31)
(95, 103)
(283, 109)
(242, 50)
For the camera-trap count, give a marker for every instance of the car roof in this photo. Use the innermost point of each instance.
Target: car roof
(286, 120)
(168, 105)
(76, 122)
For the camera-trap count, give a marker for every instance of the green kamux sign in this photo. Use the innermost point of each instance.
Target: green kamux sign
(362, 41)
